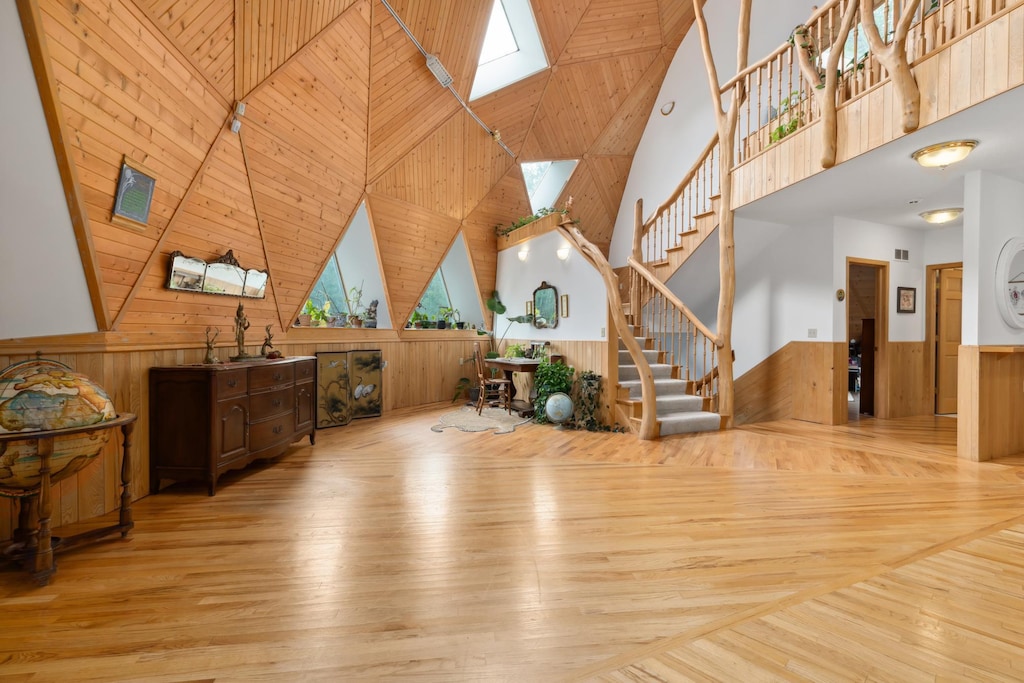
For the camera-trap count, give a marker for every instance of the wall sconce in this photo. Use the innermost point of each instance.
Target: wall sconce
(944, 154)
(524, 252)
(940, 216)
(236, 126)
(563, 252)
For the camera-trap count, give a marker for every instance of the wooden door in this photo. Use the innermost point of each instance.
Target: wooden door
(867, 367)
(947, 338)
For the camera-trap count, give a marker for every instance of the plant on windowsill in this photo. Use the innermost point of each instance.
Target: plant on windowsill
(451, 317)
(314, 316)
(502, 230)
(355, 306)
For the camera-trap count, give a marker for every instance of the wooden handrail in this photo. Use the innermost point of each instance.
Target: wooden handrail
(641, 269)
(664, 206)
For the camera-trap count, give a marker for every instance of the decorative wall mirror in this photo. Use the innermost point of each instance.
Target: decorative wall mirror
(545, 306)
(222, 276)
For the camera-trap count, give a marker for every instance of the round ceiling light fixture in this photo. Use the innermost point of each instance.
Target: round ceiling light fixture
(944, 153)
(940, 216)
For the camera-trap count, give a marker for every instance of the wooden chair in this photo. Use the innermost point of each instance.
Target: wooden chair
(500, 388)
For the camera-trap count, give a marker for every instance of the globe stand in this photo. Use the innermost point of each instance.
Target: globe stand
(33, 544)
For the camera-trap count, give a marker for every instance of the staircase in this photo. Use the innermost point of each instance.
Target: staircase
(703, 225)
(678, 410)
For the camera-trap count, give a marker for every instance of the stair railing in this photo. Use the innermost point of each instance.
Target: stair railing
(687, 343)
(677, 214)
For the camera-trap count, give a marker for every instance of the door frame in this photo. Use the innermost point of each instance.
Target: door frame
(881, 328)
(931, 273)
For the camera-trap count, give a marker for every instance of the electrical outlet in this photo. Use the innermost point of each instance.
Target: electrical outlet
(812, 333)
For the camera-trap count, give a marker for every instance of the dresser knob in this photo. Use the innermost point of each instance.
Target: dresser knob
(232, 383)
(276, 402)
(278, 376)
(278, 429)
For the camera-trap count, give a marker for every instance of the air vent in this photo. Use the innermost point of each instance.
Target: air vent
(902, 255)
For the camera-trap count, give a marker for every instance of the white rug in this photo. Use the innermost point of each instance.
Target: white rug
(467, 420)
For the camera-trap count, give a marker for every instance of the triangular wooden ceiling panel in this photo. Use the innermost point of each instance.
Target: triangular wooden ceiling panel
(431, 175)
(269, 32)
(204, 31)
(317, 103)
(486, 163)
(610, 174)
(676, 19)
(623, 133)
(451, 29)
(596, 222)
(218, 217)
(412, 242)
(609, 28)
(506, 202)
(407, 102)
(582, 99)
(512, 109)
(304, 208)
(556, 22)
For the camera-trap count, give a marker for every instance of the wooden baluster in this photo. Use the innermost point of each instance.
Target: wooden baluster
(125, 519)
(42, 565)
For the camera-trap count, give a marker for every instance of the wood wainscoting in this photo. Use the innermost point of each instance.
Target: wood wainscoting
(802, 380)
(808, 381)
(990, 401)
(421, 368)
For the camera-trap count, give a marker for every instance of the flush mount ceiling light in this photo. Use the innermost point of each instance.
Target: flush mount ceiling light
(940, 216)
(944, 154)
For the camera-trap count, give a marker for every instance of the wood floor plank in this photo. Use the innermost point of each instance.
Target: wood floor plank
(782, 551)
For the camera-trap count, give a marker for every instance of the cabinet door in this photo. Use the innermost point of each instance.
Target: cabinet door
(231, 430)
(304, 402)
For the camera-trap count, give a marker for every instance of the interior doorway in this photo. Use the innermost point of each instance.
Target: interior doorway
(945, 306)
(867, 330)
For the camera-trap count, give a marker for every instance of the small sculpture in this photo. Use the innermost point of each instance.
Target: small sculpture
(241, 325)
(267, 346)
(370, 317)
(210, 358)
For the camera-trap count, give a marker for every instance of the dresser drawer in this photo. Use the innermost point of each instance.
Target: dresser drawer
(271, 403)
(305, 371)
(271, 376)
(270, 432)
(232, 383)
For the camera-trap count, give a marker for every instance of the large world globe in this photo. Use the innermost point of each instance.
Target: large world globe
(558, 408)
(40, 395)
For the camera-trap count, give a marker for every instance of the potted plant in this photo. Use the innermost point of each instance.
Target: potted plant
(466, 387)
(314, 316)
(495, 306)
(417, 318)
(550, 378)
(355, 306)
(451, 317)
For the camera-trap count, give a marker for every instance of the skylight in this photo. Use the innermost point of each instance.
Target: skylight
(499, 40)
(512, 49)
(545, 181)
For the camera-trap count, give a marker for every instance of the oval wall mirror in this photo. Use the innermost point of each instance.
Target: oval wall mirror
(545, 306)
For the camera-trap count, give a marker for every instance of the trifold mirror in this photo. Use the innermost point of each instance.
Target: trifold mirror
(223, 276)
(545, 306)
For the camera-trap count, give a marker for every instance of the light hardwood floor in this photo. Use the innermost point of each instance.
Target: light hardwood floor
(780, 551)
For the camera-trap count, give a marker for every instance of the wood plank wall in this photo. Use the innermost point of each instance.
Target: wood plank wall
(990, 402)
(975, 67)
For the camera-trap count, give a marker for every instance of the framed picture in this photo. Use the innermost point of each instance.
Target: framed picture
(906, 300)
(135, 188)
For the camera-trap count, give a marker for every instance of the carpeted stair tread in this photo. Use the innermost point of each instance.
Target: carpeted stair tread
(658, 371)
(650, 354)
(688, 423)
(662, 387)
(682, 403)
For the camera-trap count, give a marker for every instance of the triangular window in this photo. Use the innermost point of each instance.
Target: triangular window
(545, 181)
(512, 49)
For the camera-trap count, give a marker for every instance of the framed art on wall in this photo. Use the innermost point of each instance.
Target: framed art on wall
(906, 300)
(135, 187)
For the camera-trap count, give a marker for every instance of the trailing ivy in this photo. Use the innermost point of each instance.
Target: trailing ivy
(588, 394)
(550, 378)
(501, 230)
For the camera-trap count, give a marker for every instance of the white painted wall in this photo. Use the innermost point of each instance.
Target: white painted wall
(358, 269)
(42, 282)
(862, 239)
(670, 144)
(516, 280)
(993, 207)
(944, 245)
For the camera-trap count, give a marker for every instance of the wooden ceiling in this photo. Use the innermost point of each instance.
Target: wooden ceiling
(340, 109)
